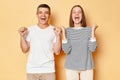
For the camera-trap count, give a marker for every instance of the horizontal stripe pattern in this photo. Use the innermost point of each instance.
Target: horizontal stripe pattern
(78, 49)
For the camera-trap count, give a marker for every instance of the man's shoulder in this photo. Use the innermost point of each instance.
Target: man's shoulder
(51, 26)
(32, 27)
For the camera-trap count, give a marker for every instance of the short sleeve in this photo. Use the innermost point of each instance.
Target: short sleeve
(54, 41)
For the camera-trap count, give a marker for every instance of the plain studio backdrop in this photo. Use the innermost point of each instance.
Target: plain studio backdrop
(18, 13)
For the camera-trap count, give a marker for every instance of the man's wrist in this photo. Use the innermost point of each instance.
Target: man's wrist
(22, 37)
(57, 37)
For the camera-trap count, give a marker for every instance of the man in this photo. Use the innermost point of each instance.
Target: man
(43, 40)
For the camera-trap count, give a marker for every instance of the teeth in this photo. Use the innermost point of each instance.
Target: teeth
(43, 18)
(76, 17)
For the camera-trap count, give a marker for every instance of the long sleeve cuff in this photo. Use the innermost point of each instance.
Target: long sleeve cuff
(92, 39)
(64, 41)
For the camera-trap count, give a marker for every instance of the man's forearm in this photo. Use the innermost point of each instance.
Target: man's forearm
(57, 46)
(24, 45)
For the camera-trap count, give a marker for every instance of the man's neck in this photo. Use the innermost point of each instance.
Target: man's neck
(42, 26)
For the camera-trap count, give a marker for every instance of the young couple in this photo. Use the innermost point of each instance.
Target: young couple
(43, 40)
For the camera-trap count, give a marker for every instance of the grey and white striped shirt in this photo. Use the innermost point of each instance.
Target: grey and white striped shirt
(79, 49)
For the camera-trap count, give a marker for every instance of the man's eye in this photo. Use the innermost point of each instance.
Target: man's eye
(40, 12)
(46, 12)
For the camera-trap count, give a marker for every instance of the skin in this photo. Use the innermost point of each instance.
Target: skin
(43, 15)
(77, 17)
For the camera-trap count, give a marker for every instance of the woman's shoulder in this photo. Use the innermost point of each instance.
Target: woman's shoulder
(69, 29)
(88, 28)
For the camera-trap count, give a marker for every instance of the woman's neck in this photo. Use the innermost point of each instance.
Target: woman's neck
(77, 25)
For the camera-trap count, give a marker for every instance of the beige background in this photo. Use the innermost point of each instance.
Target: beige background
(17, 13)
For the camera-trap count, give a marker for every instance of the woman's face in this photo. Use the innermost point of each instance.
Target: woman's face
(77, 15)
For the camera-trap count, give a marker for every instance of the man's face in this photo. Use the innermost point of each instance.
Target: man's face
(43, 15)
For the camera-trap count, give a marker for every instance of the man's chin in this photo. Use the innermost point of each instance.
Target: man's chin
(43, 22)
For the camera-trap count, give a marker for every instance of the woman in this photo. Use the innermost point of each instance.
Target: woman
(78, 43)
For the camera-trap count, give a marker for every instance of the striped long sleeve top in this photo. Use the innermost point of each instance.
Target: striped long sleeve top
(79, 49)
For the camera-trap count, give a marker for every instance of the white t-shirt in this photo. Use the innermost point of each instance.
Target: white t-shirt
(41, 56)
